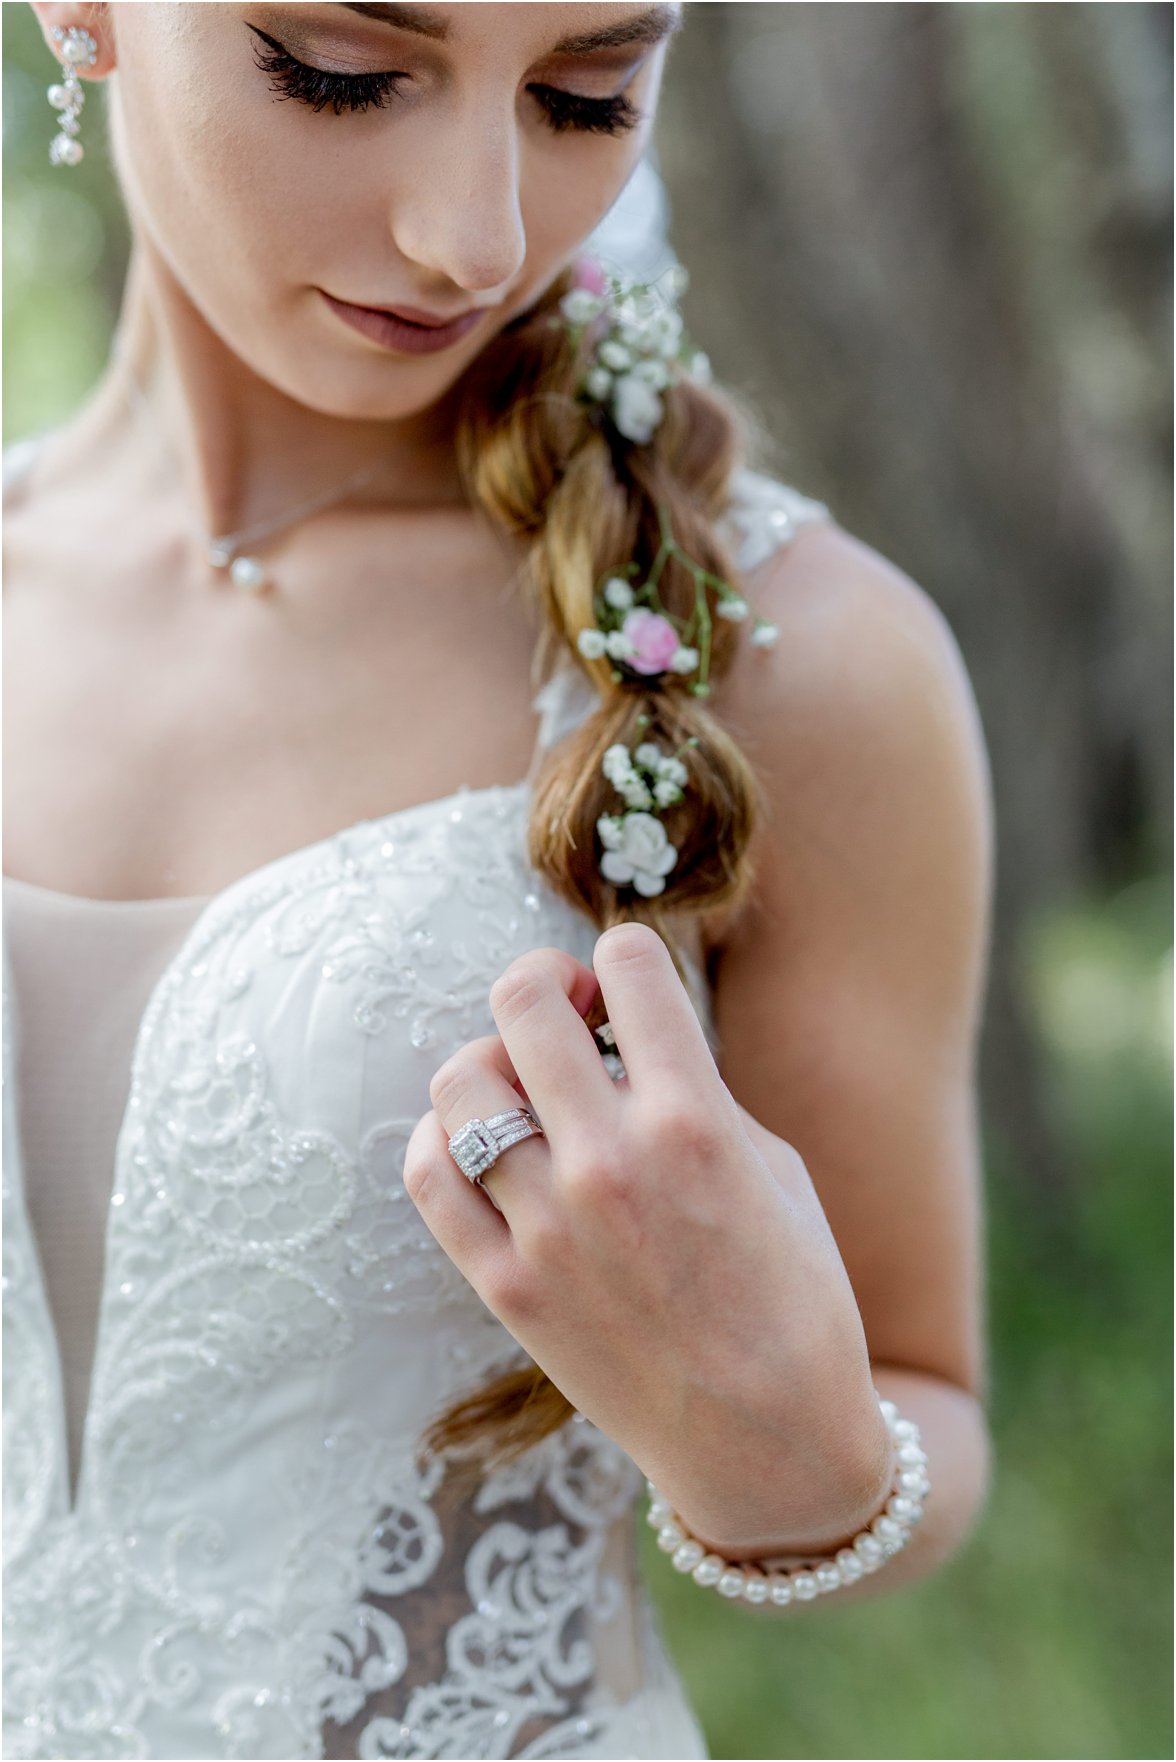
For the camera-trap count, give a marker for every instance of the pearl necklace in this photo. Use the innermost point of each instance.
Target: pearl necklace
(247, 572)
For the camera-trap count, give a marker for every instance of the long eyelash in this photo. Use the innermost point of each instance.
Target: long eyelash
(292, 78)
(610, 116)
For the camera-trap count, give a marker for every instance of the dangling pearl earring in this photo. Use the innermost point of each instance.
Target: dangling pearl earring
(76, 48)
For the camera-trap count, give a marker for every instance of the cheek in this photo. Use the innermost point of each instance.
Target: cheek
(215, 169)
(574, 187)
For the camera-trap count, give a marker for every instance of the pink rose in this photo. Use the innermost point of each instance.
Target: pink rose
(654, 640)
(587, 273)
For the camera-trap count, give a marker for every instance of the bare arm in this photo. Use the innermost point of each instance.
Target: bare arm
(848, 995)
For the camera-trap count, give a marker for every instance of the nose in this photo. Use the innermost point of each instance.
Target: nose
(459, 215)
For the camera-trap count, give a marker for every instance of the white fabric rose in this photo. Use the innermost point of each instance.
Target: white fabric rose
(644, 856)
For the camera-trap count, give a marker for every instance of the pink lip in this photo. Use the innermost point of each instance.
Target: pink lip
(406, 329)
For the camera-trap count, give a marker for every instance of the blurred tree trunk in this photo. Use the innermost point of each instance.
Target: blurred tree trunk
(933, 244)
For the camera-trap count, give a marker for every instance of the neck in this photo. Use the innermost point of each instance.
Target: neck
(237, 448)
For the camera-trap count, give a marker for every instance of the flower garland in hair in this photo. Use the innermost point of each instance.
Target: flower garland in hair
(634, 628)
(638, 345)
(637, 850)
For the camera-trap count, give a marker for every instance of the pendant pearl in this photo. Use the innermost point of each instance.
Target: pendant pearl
(249, 574)
(65, 151)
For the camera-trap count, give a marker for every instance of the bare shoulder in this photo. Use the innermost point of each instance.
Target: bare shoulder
(860, 721)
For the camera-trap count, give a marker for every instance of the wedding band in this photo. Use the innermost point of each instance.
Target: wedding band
(476, 1146)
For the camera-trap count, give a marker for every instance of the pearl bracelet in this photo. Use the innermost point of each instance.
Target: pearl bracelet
(756, 1581)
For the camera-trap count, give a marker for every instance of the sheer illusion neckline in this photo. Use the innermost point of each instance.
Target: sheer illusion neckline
(463, 792)
(87, 901)
(280, 871)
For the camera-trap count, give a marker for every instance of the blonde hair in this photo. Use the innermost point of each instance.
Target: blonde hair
(545, 468)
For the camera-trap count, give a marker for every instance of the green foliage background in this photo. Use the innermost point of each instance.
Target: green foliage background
(1049, 1635)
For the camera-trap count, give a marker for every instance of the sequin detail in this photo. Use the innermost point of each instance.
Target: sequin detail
(255, 1565)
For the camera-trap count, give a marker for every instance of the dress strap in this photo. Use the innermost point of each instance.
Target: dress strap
(762, 515)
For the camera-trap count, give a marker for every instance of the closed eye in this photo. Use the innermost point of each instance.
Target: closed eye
(291, 78)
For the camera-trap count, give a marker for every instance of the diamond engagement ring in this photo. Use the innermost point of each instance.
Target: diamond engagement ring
(476, 1146)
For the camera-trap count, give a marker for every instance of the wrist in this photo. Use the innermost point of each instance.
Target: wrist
(781, 1581)
(832, 1523)
(777, 1516)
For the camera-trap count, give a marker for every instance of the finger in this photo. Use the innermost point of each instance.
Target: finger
(539, 1003)
(657, 1031)
(477, 1082)
(461, 1219)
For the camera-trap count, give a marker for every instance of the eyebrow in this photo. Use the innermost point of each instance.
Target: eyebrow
(646, 27)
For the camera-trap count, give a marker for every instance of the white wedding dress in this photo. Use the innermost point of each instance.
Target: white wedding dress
(250, 1564)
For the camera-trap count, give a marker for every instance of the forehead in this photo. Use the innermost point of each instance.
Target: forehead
(566, 29)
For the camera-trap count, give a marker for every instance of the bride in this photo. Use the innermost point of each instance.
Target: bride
(496, 904)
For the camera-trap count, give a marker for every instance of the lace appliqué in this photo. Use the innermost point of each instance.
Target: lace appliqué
(260, 1254)
(255, 1564)
(523, 1598)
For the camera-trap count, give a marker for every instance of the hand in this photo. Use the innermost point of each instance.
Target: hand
(662, 1256)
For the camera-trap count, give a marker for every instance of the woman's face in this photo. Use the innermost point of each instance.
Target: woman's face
(436, 157)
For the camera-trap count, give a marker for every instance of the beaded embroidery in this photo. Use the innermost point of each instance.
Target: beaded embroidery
(253, 1560)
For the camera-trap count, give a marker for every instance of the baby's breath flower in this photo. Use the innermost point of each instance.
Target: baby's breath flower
(580, 306)
(591, 642)
(735, 609)
(618, 644)
(637, 409)
(614, 354)
(636, 849)
(637, 794)
(653, 372)
(618, 592)
(611, 829)
(642, 351)
(616, 763)
(685, 660)
(764, 634)
(672, 768)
